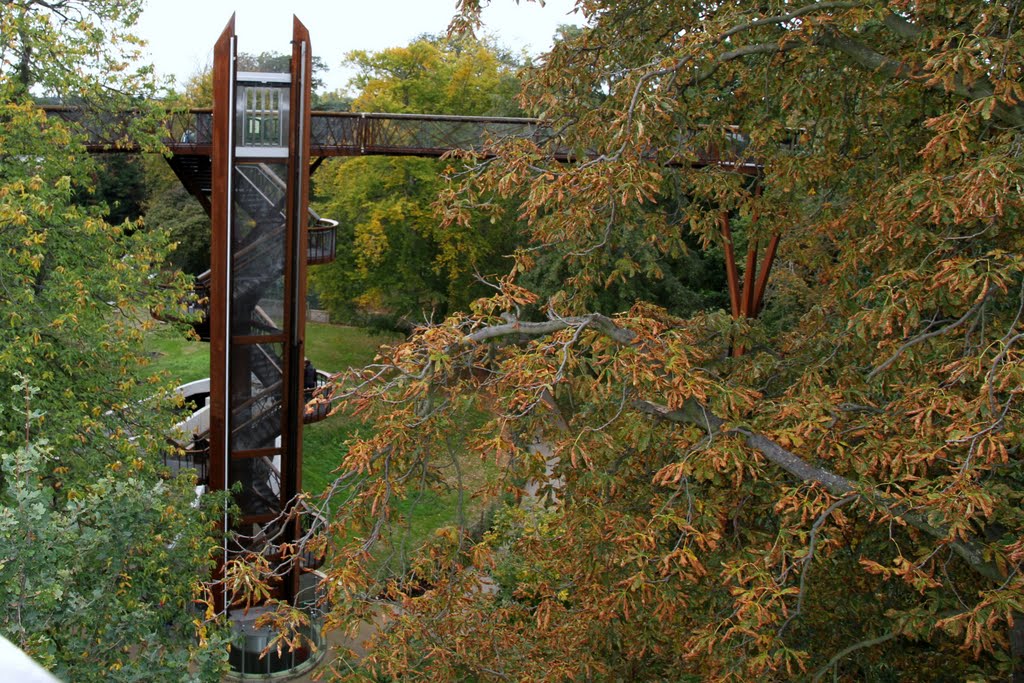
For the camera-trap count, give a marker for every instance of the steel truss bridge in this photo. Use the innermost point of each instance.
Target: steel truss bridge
(332, 133)
(189, 138)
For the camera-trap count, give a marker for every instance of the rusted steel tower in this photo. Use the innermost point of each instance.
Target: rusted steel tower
(260, 183)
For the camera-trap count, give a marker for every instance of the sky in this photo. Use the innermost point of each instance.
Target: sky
(181, 33)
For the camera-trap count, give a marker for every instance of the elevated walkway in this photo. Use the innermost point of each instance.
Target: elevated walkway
(190, 133)
(342, 134)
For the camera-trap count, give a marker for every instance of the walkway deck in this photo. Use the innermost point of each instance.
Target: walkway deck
(189, 133)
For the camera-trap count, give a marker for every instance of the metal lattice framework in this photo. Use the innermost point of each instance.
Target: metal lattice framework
(190, 133)
(337, 133)
(331, 133)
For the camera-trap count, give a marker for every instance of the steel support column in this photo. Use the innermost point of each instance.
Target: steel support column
(747, 297)
(220, 220)
(260, 187)
(295, 287)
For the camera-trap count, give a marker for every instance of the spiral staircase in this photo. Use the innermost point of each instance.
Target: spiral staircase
(258, 419)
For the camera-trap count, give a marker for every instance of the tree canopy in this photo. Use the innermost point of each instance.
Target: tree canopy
(103, 552)
(393, 259)
(437, 75)
(831, 488)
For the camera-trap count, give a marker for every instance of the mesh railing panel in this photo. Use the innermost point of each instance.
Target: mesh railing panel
(331, 133)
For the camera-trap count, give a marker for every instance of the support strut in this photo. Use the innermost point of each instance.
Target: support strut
(746, 300)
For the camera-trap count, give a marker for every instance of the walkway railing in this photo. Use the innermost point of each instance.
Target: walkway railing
(197, 459)
(349, 133)
(332, 133)
(354, 134)
(322, 241)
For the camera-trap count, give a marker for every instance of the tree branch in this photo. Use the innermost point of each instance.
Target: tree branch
(694, 413)
(783, 18)
(697, 414)
(861, 55)
(870, 642)
(740, 52)
(596, 321)
(901, 27)
(971, 312)
(868, 59)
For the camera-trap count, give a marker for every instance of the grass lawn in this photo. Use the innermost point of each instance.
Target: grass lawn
(332, 348)
(184, 360)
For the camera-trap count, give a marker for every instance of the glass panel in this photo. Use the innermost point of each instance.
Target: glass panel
(255, 422)
(256, 391)
(262, 115)
(258, 494)
(258, 248)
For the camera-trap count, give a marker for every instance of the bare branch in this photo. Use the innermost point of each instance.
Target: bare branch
(971, 312)
(696, 414)
(594, 321)
(783, 18)
(901, 27)
(870, 642)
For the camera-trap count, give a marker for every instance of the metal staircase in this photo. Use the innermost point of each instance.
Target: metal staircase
(259, 197)
(258, 192)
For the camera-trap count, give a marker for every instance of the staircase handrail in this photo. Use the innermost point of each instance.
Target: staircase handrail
(266, 173)
(269, 174)
(263, 319)
(322, 223)
(270, 358)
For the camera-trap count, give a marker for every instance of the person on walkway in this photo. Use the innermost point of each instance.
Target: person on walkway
(309, 380)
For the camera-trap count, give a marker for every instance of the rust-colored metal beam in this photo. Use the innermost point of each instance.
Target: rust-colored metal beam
(220, 218)
(731, 274)
(189, 170)
(293, 400)
(762, 278)
(747, 300)
(747, 294)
